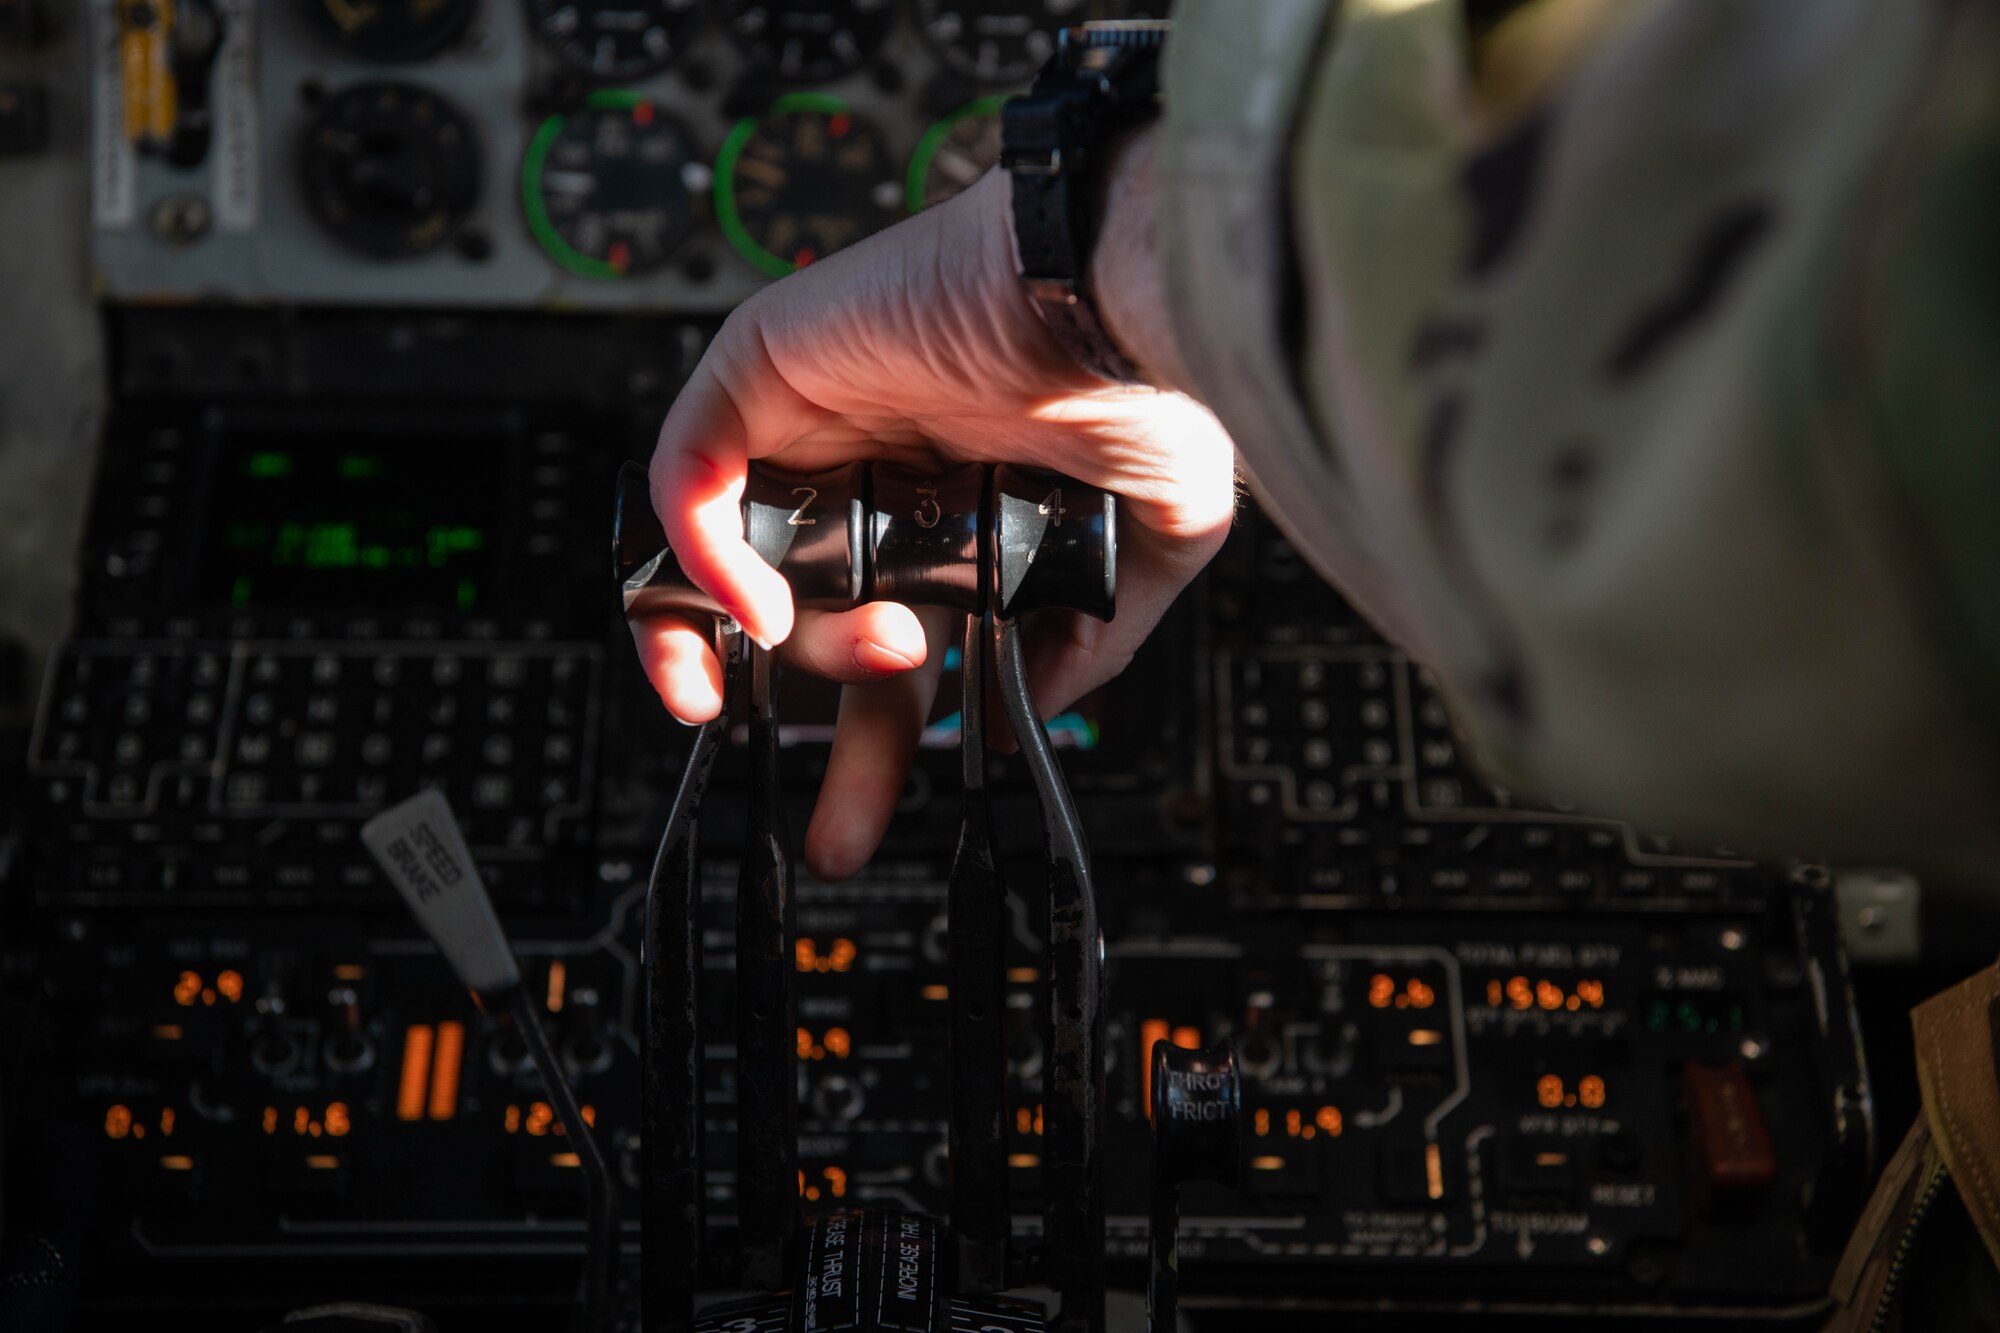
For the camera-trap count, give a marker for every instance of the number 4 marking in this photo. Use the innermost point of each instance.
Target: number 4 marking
(1052, 508)
(798, 518)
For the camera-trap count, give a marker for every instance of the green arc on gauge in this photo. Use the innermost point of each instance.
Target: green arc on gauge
(725, 176)
(933, 140)
(539, 225)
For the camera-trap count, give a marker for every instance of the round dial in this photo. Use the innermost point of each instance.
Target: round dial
(809, 40)
(997, 41)
(390, 169)
(396, 29)
(616, 39)
(611, 189)
(953, 153)
(801, 180)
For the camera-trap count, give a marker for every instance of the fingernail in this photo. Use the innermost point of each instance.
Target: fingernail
(759, 642)
(872, 656)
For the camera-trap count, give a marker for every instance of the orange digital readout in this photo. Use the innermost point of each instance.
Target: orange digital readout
(1518, 992)
(1414, 993)
(1552, 1093)
(415, 1079)
(838, 956)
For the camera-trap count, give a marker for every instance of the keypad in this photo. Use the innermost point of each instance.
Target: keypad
(234, 768)
(1349, 755)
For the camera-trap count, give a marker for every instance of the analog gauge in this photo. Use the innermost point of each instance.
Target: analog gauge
(953, 153)
(804, 178)
(806, 41)
(610, 39)
(390, 169)
(396, 29)
(997, 41)
(611, 189)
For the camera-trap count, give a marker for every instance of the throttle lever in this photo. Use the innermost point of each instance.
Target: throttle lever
(996, 543)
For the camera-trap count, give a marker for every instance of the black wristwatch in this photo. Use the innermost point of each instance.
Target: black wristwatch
(1104, 79)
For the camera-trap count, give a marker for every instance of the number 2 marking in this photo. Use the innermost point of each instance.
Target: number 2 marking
(1052, 508)
(928, 505)
(798, 518)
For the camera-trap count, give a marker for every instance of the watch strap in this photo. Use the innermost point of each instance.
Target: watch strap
(1102, 81)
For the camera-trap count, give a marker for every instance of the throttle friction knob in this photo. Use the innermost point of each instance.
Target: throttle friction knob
(1197, 1106)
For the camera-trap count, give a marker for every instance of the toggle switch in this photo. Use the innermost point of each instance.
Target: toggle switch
(1734, 1160)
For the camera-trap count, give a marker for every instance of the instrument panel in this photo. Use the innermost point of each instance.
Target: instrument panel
(669, 155)
(390, 289)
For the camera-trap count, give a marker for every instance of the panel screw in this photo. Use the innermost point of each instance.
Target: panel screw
(181, 219)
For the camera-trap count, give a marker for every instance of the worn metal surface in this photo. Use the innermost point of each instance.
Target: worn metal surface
(671, 1093)
(767, 1103)
(1073, 1107)
(976, 903)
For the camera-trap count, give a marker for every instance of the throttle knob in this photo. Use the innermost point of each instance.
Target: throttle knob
(1197, 1110)
(924, 536)
(650, 579)
(808, 526)
(1055, 544)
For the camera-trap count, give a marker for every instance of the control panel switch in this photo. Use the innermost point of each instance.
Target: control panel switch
(1728, 1140)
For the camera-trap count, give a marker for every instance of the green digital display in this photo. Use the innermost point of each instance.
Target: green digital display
(383, 524)
(1694, 1013)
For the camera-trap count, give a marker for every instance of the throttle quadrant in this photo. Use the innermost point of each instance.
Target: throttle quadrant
(995, 543)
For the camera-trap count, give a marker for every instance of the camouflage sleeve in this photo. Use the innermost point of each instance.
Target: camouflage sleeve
(1632, 364)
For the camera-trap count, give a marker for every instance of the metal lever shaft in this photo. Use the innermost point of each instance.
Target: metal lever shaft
(1073, 1100)
(671, 1089)
(767, 1195)
(976, 904)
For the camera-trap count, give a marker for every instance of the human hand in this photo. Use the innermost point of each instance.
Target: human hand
(917, 345)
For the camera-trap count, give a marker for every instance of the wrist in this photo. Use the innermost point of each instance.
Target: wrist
(984, 217)
(1128, 272)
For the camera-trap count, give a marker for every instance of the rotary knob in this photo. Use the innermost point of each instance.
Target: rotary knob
(390, 169)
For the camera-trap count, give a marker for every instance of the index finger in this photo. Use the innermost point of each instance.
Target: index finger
(697, 477)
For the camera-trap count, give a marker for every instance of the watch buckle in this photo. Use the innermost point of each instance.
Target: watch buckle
(1050, 291)
(1033, 162)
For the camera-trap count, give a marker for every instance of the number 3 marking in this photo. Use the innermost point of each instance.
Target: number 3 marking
(928, 512)
(798, 518)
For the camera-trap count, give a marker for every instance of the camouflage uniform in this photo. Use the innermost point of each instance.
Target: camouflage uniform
(1637, 366)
